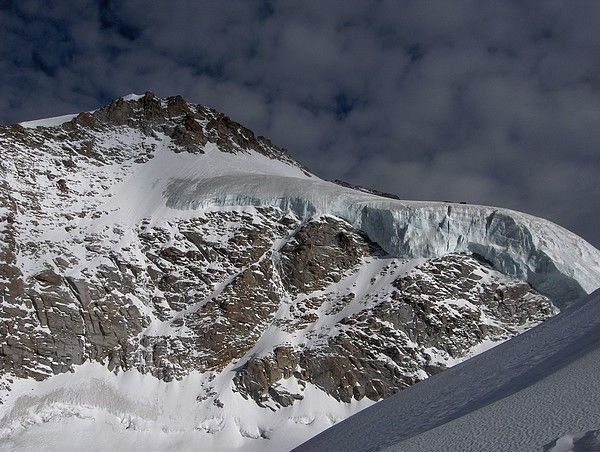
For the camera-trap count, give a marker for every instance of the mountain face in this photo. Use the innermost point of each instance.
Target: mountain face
(167, 278)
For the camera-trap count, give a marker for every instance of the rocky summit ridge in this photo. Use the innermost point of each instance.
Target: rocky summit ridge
(158, 238)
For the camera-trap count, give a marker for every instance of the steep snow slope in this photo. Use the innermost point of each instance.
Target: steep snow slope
(48, 122)
(523, 395)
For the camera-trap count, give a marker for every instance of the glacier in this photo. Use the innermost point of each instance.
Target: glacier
(553, 260)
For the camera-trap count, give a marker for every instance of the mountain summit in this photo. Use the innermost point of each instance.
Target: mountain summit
(169, 279)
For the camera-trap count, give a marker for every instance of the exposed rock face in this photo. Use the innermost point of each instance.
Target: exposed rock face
(190, 127)
(440, 309)
(202, 292)
(59, 323)
(275, 297)
(320, 253)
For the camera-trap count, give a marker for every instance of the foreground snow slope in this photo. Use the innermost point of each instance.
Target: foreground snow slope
(522, 395)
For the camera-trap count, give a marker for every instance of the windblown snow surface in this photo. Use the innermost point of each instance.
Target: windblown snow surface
(537, 391)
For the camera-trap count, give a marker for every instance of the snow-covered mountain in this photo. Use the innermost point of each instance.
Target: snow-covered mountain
(538, 391)
(168, 279)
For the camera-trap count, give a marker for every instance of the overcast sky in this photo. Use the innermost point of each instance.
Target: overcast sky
(490, 102)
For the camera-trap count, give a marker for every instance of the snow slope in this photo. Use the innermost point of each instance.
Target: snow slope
(525, 394)
(132, 411)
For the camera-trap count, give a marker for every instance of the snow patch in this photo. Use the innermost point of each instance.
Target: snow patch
(135, 411)
(48, 122)
(132, 97)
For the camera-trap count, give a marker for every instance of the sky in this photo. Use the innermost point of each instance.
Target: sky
(488, 102)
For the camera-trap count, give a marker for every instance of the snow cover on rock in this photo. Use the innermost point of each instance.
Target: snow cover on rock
(536, 391)
(553, 260)
(579, 442)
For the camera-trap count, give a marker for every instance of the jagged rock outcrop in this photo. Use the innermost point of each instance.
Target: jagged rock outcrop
(442, 308)
(320, 253)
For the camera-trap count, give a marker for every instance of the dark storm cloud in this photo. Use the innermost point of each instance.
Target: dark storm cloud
(487, 102)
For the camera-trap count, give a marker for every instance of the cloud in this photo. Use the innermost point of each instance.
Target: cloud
(487, 102)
